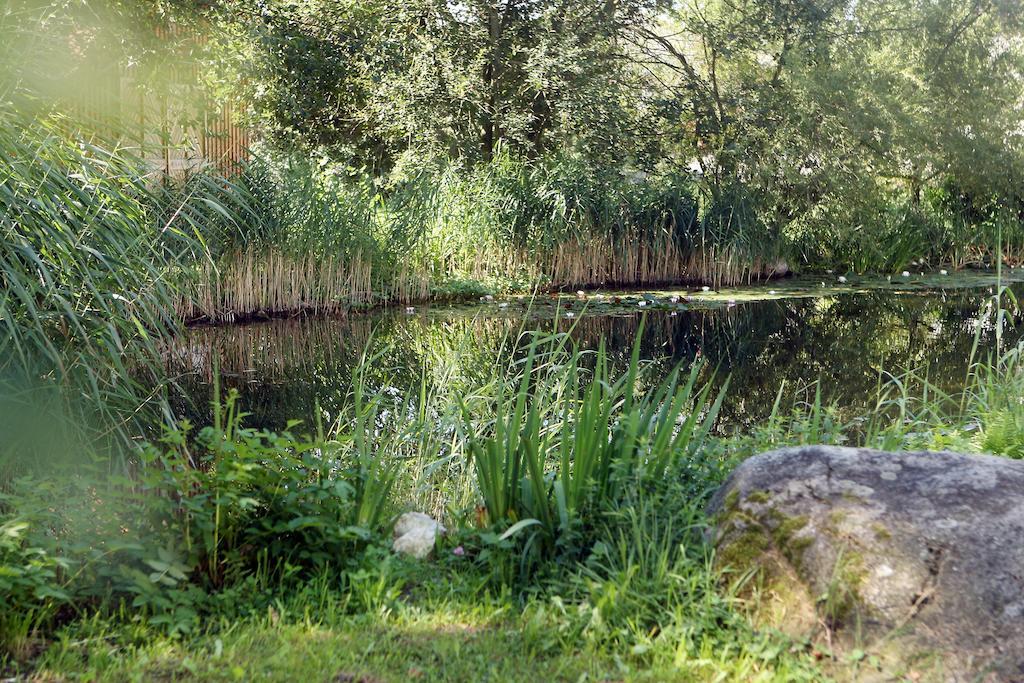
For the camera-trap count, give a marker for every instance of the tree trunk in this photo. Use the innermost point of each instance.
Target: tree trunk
(492, 77)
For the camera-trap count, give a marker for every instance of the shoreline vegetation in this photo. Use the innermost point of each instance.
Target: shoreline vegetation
(587, 545)
(249, 246)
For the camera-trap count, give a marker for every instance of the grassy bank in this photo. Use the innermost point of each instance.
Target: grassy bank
(573, 495)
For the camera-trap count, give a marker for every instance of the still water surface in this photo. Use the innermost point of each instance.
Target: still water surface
(800, 332)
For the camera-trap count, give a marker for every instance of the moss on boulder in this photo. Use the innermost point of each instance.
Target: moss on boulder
(912, 558)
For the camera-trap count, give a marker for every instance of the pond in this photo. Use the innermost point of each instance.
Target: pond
(847, 336)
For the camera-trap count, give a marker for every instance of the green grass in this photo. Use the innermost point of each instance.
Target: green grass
(433, 624)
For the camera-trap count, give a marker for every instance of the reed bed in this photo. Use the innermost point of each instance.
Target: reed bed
(264, 282)
(639, 262)
(259, 282)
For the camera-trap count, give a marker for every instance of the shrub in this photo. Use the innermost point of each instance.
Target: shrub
(206, 520)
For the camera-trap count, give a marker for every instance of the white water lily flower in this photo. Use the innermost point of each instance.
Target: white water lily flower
(906, 273)
(641, 303)
(410, 309)
(772, 292)
(674, 299)
(842, 279)
(705, 288)
(943, 272)
(570, 314)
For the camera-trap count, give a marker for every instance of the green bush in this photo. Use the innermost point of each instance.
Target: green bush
(206, 520)
(32, 586)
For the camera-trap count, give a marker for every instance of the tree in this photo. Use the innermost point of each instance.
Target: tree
(376, 79)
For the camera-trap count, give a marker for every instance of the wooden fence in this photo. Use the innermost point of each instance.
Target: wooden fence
(162, 111)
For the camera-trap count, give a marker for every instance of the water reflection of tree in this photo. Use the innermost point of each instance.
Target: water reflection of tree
(284, 368)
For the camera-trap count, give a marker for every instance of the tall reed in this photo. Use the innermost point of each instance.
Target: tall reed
(86, 284)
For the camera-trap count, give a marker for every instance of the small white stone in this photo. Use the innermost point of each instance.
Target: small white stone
(488, 298)
(415, 534)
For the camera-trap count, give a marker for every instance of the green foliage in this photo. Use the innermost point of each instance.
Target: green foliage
(83, 266)
(857, 133)
(206, 518)
(31, 585)
(424, 77)
(562, 447)
(95, 260)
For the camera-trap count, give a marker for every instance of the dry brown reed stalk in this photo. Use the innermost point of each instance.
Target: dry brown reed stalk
(639, 262)
(256, 283)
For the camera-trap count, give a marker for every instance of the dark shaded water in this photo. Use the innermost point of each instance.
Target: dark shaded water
(284, 369)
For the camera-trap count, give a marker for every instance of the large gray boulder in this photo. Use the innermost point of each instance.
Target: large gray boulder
(915, 559)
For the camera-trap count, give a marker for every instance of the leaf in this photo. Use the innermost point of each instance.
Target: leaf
(517, 527)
